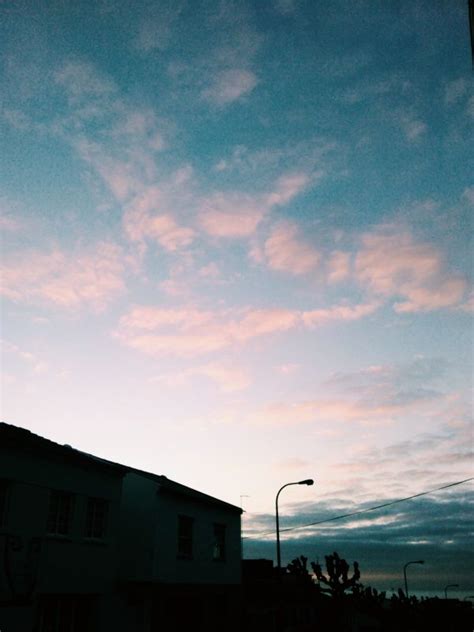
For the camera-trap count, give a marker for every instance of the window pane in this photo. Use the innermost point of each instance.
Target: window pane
(60, 513)
(219, 542)
(185, 536)
(3, 502)
(96, 518)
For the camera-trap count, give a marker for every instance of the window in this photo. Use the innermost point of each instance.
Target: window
(61, 505)
(185, 537)
(3, 502)
(96, 518)
(219, 542)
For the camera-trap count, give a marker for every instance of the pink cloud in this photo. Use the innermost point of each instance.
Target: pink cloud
(289, 186)
(394, 265)
(118, 175)
(227, 378)
(447, 293)
(231, 214)
(317, 317)
(146, 218)
(64, 280)
(284, 250)
(229, 85)
(337, 410)
(338, 266)
(234, 214)
(190, 331)
(168, 233)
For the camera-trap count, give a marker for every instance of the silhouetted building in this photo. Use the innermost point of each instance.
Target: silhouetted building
(87, 545)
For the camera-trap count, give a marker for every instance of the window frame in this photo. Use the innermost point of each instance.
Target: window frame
(219, 549)
(97, 513)
(60, 502)
(185, 540)
(5, 487)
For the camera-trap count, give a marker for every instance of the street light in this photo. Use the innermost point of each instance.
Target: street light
(307, 481)
(449, 586)
(405, 573)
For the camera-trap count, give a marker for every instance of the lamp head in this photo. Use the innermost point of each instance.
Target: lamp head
(308, 481)
(420, 561)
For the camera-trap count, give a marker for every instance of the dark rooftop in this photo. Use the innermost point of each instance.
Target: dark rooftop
(20, 438)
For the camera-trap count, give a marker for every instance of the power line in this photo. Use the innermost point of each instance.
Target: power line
(362, 511)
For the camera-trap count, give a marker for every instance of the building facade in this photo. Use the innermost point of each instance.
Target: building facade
(87, 544)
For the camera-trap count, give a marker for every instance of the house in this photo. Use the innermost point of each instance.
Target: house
(87, 544)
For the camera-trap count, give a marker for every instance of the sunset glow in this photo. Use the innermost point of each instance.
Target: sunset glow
(237, 251)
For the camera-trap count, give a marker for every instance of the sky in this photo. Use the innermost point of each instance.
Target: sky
(236, 250)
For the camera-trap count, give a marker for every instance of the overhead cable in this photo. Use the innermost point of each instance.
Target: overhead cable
(362, 511)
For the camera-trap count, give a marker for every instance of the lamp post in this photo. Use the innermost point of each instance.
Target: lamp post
(449, 586)
(307, 481)
(405, 573)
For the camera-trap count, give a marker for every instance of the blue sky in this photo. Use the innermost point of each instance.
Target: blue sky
(236, 250)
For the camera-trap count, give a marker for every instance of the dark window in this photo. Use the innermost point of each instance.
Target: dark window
(219, 542)
(185, 537)
(65, 613)
(3, 502)
(61, 505)
(96, 518)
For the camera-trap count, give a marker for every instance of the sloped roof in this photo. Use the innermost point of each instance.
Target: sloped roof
(25, 440)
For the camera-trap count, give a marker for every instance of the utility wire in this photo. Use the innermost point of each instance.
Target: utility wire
(362, 511)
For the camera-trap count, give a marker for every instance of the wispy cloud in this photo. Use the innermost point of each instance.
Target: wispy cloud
(227, 378)
(234, 214)
(342, 410)
(71, 281)
(338, 266)
(339, 313)
(156, 26)
(455, 90)
(393, 265)
(229, 85)
(191, 331)
(371, 395)
(143, 221)
(286, 7)
(286, 251)
(37, 365)
(420, 371)
(412, 126)
(82, 80)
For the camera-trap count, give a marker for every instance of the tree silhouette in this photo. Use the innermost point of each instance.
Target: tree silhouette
(299, 568)
(337, 579)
